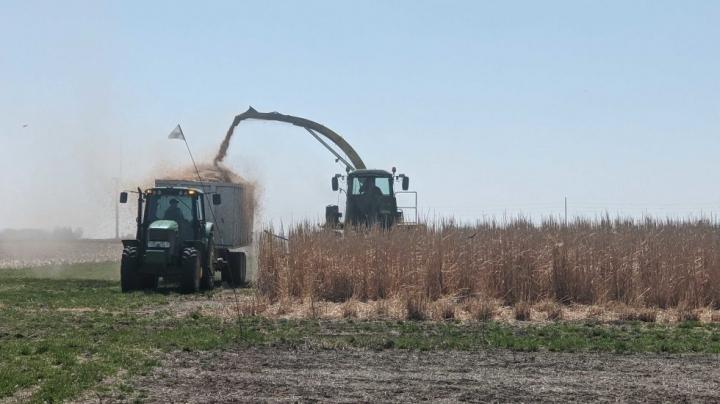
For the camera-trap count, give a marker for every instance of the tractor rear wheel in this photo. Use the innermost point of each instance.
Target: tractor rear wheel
(129, 279)
(237, 269)
(207, 282)
(191, 271)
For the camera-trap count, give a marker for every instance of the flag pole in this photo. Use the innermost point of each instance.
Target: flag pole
(192, 159)
(182, 135)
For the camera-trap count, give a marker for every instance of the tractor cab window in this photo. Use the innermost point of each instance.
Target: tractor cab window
(178, 208)
(371, 185)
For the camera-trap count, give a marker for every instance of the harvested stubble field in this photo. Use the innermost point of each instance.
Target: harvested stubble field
(644, 265)
(37, 253)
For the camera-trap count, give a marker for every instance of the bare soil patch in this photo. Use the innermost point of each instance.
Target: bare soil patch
(20, 396)
(270, 374)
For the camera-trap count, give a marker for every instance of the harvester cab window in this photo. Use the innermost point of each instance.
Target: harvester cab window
(383, 184)
(371, 185)
(358, 185)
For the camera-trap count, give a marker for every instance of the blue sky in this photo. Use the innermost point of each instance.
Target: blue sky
(490, 107)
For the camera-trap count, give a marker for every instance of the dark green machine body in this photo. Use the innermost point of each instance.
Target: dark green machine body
(174, 241)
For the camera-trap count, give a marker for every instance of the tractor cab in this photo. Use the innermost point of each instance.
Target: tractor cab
(173, 212)
(170, 218)
(370, 198)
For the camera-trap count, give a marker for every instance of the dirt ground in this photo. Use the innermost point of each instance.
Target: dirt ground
(305, 375)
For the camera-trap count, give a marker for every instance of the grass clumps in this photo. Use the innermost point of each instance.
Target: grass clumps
(445, 310)
(688, 315)
(481, 309)
(416, 307)
(522, 311)
(552, 310)
(646, 315)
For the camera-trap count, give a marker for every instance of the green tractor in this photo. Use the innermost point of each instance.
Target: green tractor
(174, 241)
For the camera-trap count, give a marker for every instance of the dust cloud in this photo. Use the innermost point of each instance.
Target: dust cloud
(207, 172)
(63, 173)
(218, 172)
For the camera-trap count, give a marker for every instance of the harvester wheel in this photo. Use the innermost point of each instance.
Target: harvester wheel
(237, 269)
(207, 282)
(191, 271)
(129, 280)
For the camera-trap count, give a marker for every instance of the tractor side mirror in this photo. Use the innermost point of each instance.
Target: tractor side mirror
(406, 183)
(335, 184)
(123, 197)
(217, 200)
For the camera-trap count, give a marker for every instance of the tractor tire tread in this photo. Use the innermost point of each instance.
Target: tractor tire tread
(188, 280)
(128, 277)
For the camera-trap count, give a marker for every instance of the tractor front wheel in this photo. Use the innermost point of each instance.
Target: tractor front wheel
(191, 271)
(129, 279)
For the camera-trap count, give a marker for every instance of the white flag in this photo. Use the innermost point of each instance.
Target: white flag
(177, 133)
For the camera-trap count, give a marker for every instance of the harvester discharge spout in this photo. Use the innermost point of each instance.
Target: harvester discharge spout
(356, 163)
(370, 194)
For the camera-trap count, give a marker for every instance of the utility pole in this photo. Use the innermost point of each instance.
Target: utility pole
(117, 208)
(566, 222)
(117, 189)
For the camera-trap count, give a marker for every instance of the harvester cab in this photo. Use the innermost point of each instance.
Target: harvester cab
(174, 240)
(370, 198)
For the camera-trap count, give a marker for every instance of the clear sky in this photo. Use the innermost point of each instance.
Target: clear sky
(490, 107)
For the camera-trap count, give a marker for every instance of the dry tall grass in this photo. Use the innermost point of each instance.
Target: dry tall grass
(648, 263)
